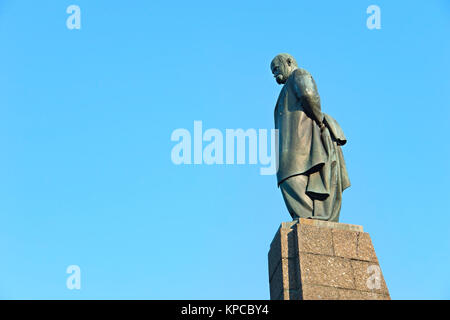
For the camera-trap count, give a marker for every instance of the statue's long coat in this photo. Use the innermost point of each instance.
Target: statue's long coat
(305, 148)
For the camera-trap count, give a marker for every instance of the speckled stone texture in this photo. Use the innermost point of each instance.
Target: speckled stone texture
(314, 260)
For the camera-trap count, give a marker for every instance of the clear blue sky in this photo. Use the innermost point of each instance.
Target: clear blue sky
(85, 123)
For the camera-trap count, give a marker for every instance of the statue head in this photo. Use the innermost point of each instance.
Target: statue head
(282, 66)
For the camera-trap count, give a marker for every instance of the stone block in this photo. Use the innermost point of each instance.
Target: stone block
(312, 239)
(360, 295)
(345, 243)
(284, 278)
(331, 225)
(365, 248)
(368, 277)
(326, 271)
(315, 292)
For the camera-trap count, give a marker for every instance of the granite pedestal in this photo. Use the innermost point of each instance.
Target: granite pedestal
(312, 260)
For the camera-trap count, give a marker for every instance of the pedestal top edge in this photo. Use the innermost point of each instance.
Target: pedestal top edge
(323, 224)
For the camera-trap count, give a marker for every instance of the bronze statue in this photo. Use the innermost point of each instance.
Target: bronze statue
(311, 168)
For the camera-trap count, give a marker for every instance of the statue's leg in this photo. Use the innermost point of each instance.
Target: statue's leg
(329, 208)
(298, 203)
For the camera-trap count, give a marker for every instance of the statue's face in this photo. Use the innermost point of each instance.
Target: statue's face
(280, 70)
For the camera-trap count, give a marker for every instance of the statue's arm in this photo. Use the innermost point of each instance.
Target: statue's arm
(306, 90)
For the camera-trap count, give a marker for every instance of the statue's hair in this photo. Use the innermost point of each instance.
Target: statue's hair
(284, 57)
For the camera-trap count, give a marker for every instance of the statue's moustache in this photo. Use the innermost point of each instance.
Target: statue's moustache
(279, 78)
